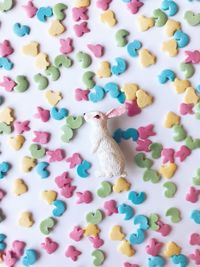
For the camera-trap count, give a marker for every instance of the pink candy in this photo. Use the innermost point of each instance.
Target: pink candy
(18, 247)
(56, 155)
(168, 155)
(164, 229)
(96, 241)
(183, 153)
(6, 49)
(134, 6)
(10, 258)
(2, 194)
(85, 197)
(143, 145)
(72, 253)
(195, 257)
(110, 207)
(192, 57)
(186, 109)
(8, 84)
(66, 46)
(74, 160)
(153, 248)
(195, 239)
(67, 191)
(97, 50)
(126, 264)
(81, 95)
(41, 137)
(132, 108)
(63, 180)
(77, 233)
(79, 13)
(42, 114)
(49, 245)
(145, 132)
(30, 9)
(193, 195)
(103, 4)
(81, 29)
(21, 127)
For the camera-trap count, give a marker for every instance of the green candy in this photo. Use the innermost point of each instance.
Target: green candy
(88, 79)
(160, 17)
(171, 189)
(188, 70)
(180, 133)
(63, 61)
(53, 72)
(174, 214)
(99, 257)
(105, 189)
(67, 134)
(153, 218)
(156, 149)
(46, 226)
(192, 18)
(84, 59)
(74, 122)
(94, 217)
(121, 37)
(58, 11)
(37, 152)
(192, 144)
(6, 5)
(22, 84)
(142, 161)
(197, 111)
(4, 128)
(151, 175)
(41, 80)
(196, 180)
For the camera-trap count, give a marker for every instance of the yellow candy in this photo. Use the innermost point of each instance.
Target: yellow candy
(116, 233)
(170, 47)
(145, 23)
(28, 163)
(49, 196)
(31, 49)
(130, 90)
(19, 187)
(171, 119)
(16, 142)
(41, 61)
(53, 97)
(56, 28)
(143, 98)
(91, 230)
(121, 185)
(126, 249)
(168, 170)
(6, 115)
(82, 3)
(26, 219)
(171, 249)
(171, 27)
(190, 96)
(181, 85)
(109, 18)
(146, 58)
(104, 70)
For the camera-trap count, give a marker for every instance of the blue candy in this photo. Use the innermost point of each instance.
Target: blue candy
(127, 210)
(6, 63)
(196, 216)
(126, 1)
(4, 168)
(59, 114)
(21, 30)
(181, 38)
(120, 67)
(96, 94)
(60, 208)
(43, 13)
(156, 261)
(41, 169)
(130, 133)
(113, 89)
(2, 243)
(30, 257)
(166, 75)
(170, 6)
(82, 169)
(180, 259)
(142, 221)
(117, 135)
(121, 98)
(136, 198)
(138, 238)
(133, 48)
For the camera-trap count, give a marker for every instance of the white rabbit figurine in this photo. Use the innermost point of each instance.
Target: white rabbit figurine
(110, 156)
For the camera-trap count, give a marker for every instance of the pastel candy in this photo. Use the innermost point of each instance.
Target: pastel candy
(127, 210)
(43, 13)
(170, 7)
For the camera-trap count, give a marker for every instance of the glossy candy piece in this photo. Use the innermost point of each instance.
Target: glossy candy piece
(58, 11)
(138, 238)
(105, 189)
(84, 59)
(81, 29)
(30, 9)
(6, 63)
(8, 84)
(153, 221)
(192, 18)
(37, 151)
(41, 80)
(22, 84)
(6, 5)
(30, 257)
(195, 216)
(121, 37)
(180, 259)
(96, 94)
(59, 209)
(63, 180)
(74, 160)
(6, 49)
(72, 253)
(110, 207)
(151, 175)
(154, 247)
(4, 168)
(142, 161)
(133, 48)
(63, 61)
(170, 189)
(156, 261)
(170, 7)
(134, 6)
(181, 38)
(136, 198)
(166, 75)
(74, 122)
(142, 221)
(113, 89)
(88, 79)
(127, 210)
(160, 17)
(99, 257)
(174, 214)
(94, 217)
(53, 72)
(77, 233)
(42, 170)
(46, 226)
(43, 13)
(49, 245)
(85, 197)
(67, 133)
(120, 67)
(82, 169)
(156, 149)
(21, 30)
(2, 243)
(58, 114)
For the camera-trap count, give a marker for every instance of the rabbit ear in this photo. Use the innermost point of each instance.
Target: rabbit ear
(116, 112)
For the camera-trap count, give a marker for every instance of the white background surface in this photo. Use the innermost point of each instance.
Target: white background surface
(165, 100)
